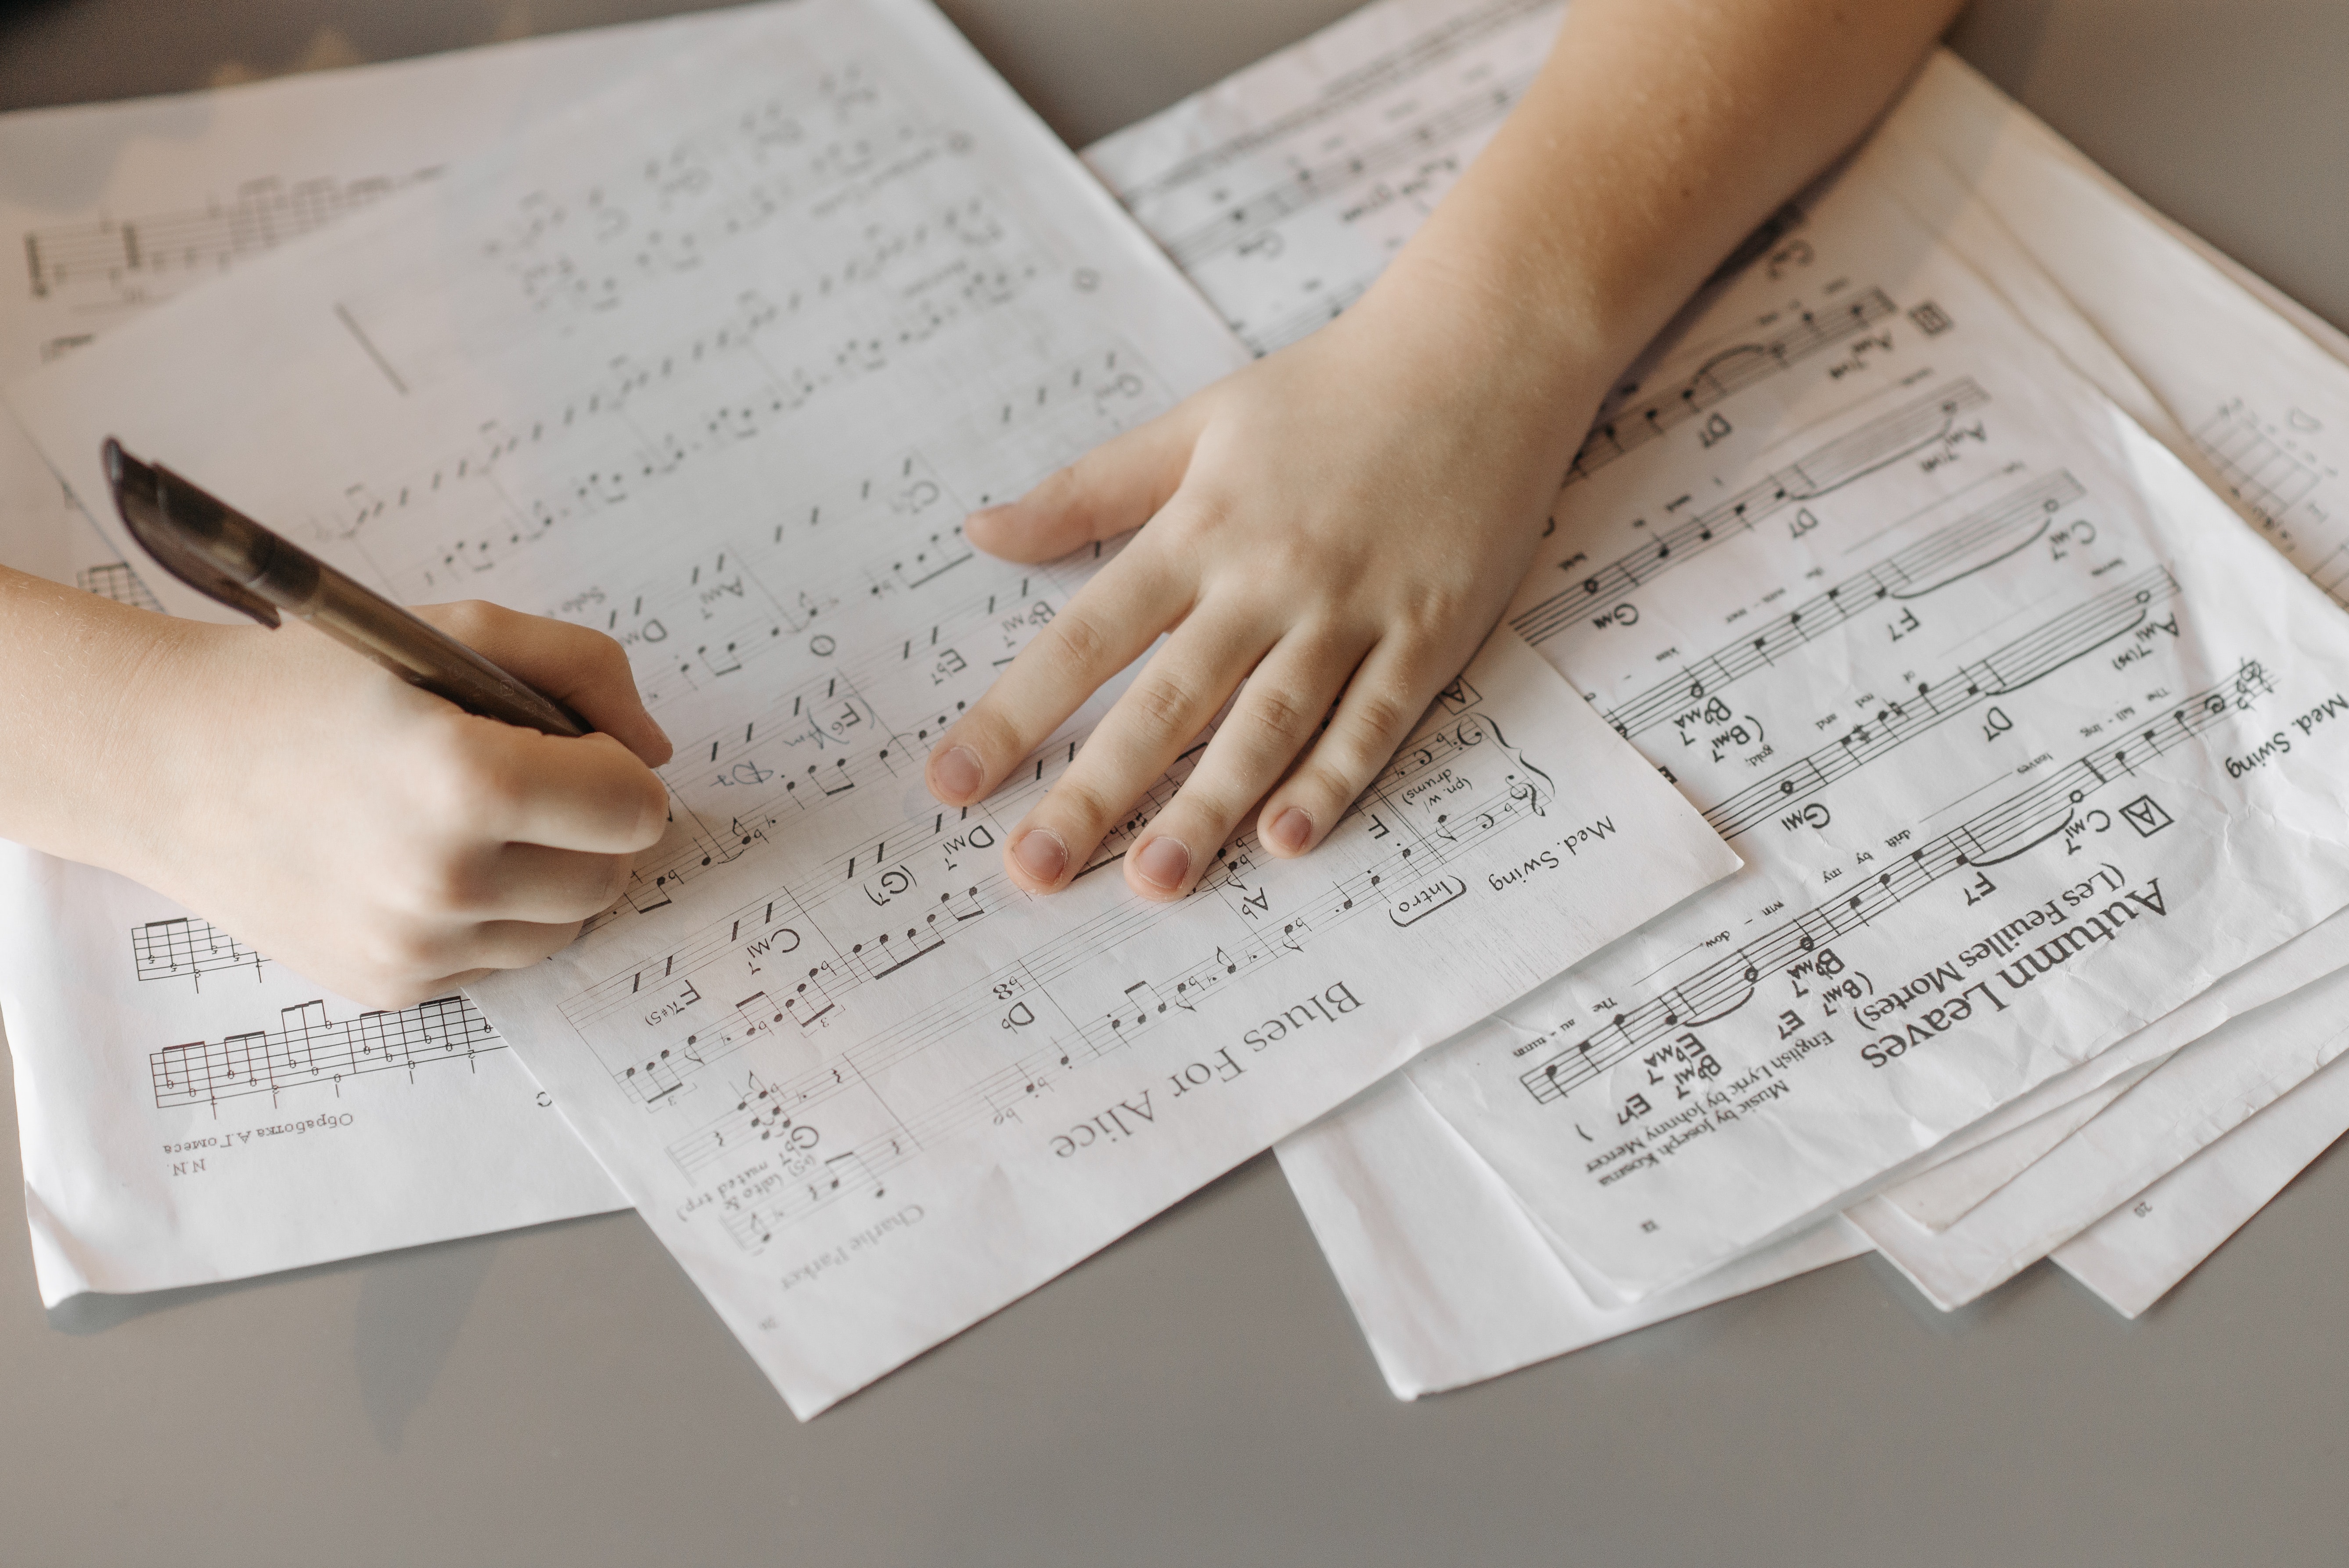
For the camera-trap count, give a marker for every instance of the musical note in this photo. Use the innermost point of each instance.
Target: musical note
(2037, 654)
(1977, 540)
(310, 1050)
(1996, 833)
(1883, 439)
(744, 458)
(184, 947)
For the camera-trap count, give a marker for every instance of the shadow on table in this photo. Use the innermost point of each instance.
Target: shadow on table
(411, 1306)
(1974, 1313)
(95, 1312)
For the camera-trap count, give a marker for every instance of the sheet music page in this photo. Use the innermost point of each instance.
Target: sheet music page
(2142, 1248)
(2207, 1089)
(1269, 129)
(2267, 406)
(717, 367)
(2135, 1255)
(2157, 710)
(1484, 1291)
(1282, 190)
(154, 1057)
(1809, 433)
(1973, 1164)
(2204, 333)
(109, 209)
(190, 1111)
(1938, 1196)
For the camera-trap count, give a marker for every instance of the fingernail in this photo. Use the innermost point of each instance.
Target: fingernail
(1291, 830)
(1042, 855)
(1162, 863)
(958, 770)
(660, 736)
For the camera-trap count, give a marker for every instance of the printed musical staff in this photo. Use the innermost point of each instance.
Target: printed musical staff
(1932, 610)
(2258, 469)
(2032, 656)
(2016, 824)
(791, 1110)
(1884, 439)
(800, 958)
(1723, 374)
(1975, 542)
(122, 254)
(186, 948)
(308, 1050)
(761, 1204)
(1453, 36)
(944, 907)
(1249, 217)
(1315, 199)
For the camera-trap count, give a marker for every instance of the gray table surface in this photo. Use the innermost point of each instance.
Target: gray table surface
(1198, 1394)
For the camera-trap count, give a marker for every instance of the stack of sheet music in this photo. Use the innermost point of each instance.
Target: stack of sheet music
(1919, 568)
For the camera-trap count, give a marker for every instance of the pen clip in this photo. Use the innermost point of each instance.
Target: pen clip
(144, 504)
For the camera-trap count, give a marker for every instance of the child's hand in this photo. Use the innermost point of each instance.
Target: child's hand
(369, 835)
(1349, 516)
(1352, 513)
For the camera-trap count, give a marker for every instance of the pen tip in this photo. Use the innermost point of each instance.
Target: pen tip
(113, 453)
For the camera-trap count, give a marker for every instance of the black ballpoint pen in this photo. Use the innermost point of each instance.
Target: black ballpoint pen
(225, 555)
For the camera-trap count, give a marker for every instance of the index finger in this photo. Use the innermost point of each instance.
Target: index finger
(576, 666)
(510, 785)
(1103, 629)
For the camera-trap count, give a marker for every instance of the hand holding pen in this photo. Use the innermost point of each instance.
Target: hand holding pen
(363, 830)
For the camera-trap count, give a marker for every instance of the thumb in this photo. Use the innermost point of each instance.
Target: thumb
(576, 666)
(1115, 488)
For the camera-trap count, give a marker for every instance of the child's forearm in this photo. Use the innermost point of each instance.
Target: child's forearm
(1657, 136)
(371, 836)
(73, 670)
